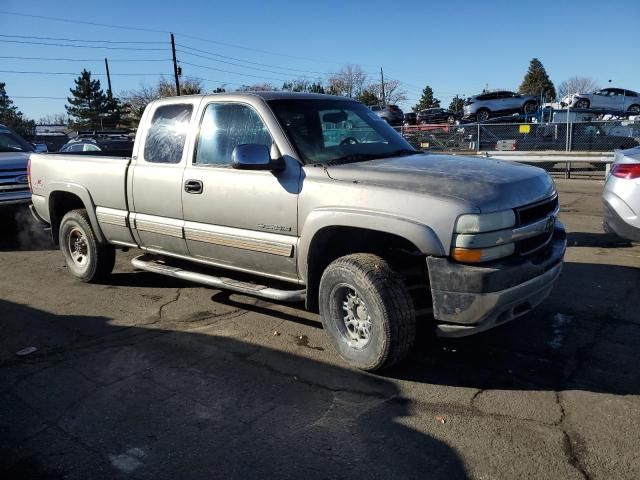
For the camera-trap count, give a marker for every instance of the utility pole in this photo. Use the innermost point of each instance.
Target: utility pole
(382, 86)
(106, 64)
(175, 65)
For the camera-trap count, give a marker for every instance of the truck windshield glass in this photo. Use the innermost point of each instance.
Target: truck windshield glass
(12, 143)
(336, 131)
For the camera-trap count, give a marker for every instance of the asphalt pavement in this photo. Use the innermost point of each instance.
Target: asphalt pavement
(147, 377)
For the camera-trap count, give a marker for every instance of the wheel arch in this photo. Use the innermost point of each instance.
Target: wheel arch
(328, 235)
(66, 197)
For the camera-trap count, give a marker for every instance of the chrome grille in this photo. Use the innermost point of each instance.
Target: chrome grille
(11, 180)
(544, 211)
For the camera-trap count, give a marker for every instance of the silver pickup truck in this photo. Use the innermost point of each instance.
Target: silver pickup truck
(326, 203)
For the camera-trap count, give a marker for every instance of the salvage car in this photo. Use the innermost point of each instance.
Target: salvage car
(436, 115)
(316, 199)
(621, 195)
(14, 153)
(113, 145)
(613, 99)
(482, 107)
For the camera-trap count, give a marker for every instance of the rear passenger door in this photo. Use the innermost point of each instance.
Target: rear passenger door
(156, 186)
(242, 219)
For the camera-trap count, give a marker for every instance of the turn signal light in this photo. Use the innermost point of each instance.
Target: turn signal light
(626, 170)
(467, 255)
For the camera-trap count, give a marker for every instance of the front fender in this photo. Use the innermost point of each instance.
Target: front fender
(83, 194)
(420, 235)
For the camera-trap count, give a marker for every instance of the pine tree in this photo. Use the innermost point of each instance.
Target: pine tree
(11, 117)
(537, 82)
(427, 100)
(316, 88)
(456, 105)
(89, 104)
(368, 98)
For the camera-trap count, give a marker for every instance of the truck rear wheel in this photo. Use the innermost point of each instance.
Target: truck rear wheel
(367, 311)
(86, 259)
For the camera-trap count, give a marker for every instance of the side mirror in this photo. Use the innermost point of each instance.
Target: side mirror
(40, 148)
(251, 156)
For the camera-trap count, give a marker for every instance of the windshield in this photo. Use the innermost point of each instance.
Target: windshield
(336, 131)
(10, 142)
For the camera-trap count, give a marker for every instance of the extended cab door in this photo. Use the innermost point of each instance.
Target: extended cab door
(241, 219)
(156, 186)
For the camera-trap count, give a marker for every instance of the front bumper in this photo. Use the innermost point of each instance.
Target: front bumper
(469, 299)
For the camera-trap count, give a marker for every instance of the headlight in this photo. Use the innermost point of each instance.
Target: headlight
(485, 222)
(483, 237)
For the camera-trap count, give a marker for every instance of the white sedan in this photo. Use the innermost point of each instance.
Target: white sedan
(617, 99)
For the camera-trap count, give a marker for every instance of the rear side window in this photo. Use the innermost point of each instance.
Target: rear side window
(167, 133)
(224, 127)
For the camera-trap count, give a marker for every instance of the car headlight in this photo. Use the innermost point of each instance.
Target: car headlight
(483, 237)
(485, 222)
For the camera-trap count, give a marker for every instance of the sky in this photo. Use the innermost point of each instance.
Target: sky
(456, 47)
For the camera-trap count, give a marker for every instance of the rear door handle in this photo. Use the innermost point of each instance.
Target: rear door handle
(193, 186)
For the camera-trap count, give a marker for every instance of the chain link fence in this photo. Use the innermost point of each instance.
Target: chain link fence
(568, 149)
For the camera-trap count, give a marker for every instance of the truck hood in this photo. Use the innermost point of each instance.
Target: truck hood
(14, 160)
(486, 184)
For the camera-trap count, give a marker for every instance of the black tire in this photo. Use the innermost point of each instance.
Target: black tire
(482, 115)
(582, 103)
(383, 328)
(634, 109)
(86, 259)
(451, 119)
(529, 107)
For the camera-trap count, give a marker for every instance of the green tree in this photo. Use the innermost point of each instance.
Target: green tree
(219, 90)
(427, 100)
(11, 117)
(316, 87)
(456, 105)
(537, 82)
(88, 104)
(367, 97)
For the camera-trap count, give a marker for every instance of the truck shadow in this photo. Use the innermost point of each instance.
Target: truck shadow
(153, 403)
(582, 337)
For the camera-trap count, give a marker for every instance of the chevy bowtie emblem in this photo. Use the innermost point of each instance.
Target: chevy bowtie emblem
(22, 179)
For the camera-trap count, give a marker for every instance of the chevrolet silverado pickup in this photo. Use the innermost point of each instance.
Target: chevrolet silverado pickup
(14, 154)
(303, 197)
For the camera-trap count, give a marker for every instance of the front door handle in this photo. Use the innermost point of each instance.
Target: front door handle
(193, 186)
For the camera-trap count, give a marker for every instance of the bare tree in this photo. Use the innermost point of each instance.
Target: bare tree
(577, 84)
(256, 87)
(393, 91)
(348, 82)
(136, 101)
(54, 119)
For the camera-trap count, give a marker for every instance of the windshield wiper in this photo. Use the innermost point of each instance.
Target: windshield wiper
(401, 152)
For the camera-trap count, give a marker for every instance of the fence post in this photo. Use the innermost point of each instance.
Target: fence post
(478, 141)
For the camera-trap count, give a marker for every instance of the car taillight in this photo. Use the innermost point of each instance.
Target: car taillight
(29, 172)
(626, 170)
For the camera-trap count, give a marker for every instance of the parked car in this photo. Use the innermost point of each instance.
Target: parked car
(409, 118)
(621, 195)
(389, 113)
(14, 154)
(486, 105)
(614, 99)
(436, 115)
(112, 145)
(231, 181)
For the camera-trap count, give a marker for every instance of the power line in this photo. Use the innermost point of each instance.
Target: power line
(143, 29)
(36, 97)
(24, 42)
(76, 73)
(89, 59)
(30, 37)
(182, 62)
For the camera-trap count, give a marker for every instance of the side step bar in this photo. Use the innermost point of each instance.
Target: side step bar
(154, 264)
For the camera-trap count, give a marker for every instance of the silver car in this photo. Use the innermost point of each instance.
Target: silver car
(617, 99)
(621, 195)
(491, 104)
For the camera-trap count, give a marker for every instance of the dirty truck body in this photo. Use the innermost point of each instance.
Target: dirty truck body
(320, 201)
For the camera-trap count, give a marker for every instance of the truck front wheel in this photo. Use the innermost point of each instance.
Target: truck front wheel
(86, 259)
(367, 311)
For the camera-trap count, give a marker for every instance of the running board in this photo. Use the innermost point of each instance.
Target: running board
(154, 264)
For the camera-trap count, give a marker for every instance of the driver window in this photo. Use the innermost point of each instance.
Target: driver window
(224, 127)
(344, 126)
